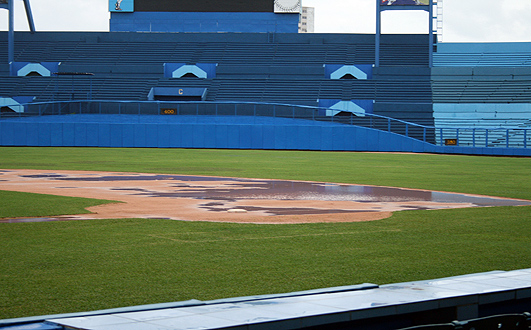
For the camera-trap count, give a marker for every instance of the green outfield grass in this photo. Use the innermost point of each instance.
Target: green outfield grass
(58, 267)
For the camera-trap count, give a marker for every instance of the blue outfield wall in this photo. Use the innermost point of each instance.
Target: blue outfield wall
(198, 132)
(234, 132)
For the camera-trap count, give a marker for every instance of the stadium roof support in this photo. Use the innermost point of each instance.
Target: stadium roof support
(11, 33)
(383, 5)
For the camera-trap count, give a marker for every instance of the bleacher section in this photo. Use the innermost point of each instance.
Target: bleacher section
(289, 68)
(508, 54)
(259, 67)
(483, 90)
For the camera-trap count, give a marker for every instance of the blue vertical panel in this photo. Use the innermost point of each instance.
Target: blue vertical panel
(361, 139)
(199, 135)
(92, 135)
(7, 131)
(373, 140)
(315, 137)
(45, 135)
(162, 134)
(128, 135)
(80, 135)
(508, 152)
(116, 135)
(350, 138)
(151, 137)
(245, 137)
(222, 133)
(338, 138)
(257, 137)
(69, 134)
(33, 134)
(430, 148)
(268, 132)
(341, 139)
(303, 138)
(175, 139)
(57, 134)
(19, 134)
(389, 142)
(233, 137)
(327, 138)
(409, 145)
(104, 135)
(209, 136)
(292, 133)
(397, 142)
(139, 135)
(187, 135)
(2, 132)
(280, 137)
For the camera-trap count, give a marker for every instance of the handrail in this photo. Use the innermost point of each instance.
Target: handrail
(443, 136)
(502, 321)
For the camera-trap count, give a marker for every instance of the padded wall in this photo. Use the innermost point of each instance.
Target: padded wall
(198, 132)
(213, 132)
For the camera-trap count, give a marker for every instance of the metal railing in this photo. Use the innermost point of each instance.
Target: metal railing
(503, 321)
(443, 136)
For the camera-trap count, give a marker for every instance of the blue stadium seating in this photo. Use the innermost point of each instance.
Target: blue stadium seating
(284, 68)
(483, 86)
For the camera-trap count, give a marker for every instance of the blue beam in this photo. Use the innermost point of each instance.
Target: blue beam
(378, 33)
(430, 34)
(11, 33)
(29, 15)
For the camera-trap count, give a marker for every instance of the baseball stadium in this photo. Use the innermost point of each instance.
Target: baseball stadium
(210, 165)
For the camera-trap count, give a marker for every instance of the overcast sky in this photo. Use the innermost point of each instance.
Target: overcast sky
(464, 20)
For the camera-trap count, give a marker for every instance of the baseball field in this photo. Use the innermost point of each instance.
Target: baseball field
(70, 266)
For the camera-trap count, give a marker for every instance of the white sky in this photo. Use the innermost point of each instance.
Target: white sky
(464, 20)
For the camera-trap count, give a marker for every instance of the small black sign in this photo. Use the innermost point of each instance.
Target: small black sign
(450, 142)
(168, 111)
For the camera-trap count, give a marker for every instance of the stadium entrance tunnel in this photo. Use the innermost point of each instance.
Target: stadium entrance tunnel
(6, 110)
(34, 74)
(348, 76)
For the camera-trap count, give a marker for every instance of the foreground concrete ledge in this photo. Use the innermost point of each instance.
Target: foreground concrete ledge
(400, 305)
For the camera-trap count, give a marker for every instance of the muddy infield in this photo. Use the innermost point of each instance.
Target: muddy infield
(202, 198)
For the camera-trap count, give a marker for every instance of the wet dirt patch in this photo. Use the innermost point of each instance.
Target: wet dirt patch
(202, 198)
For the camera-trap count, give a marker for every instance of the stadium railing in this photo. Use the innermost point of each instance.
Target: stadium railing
(505, 321)
(444, 136)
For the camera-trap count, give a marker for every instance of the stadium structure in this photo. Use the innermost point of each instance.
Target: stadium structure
(236, 74)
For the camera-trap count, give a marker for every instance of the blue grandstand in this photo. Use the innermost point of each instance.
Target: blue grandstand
(179, 74)
(325, 91)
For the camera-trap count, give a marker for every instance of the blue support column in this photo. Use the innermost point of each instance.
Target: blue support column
(380, 8)
(11, 34)
(378, 33)
(430, 35)
(11, 31)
